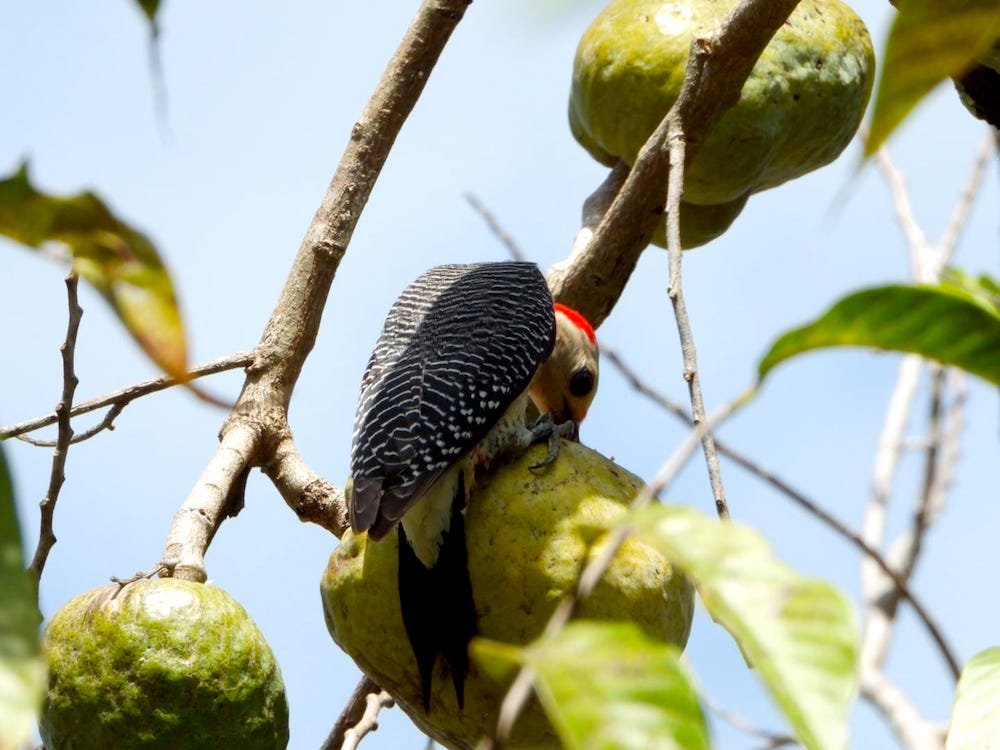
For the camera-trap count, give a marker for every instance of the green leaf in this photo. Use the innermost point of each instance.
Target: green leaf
(21, 672)
(929, 41)
(953, 323)
(975, 718)
(118, 260)
(797, 633)
(609, 685)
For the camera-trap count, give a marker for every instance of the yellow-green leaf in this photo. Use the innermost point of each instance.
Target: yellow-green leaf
(116, 259)
(609, 685)
(21, 671)
(929, 41)
(798, 633)
(975, 718)
(955, 323)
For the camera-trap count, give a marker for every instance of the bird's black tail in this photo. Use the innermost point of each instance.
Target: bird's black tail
(438, 611)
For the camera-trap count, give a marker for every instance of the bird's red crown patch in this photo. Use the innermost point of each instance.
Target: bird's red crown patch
(578, 320)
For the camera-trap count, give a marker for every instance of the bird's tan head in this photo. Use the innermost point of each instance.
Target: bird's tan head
(565, 383)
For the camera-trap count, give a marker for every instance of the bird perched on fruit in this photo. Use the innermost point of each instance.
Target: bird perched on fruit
(446, 390)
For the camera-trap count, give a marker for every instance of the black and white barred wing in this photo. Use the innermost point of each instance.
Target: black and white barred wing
(457, 348)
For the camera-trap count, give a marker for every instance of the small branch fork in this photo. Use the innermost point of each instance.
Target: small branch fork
(46, 535)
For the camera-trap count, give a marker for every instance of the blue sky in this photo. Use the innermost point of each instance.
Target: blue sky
(260, 105)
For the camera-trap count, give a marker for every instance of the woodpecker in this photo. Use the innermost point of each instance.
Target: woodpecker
(446, 391)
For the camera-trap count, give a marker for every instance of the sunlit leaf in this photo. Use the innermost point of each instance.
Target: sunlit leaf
(117, 259)
(929, 41)
(953, 323)
(798, 633)
(21, 672)
(609, 685)
(975, 718)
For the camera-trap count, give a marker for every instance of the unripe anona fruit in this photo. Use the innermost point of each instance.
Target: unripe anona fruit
(798, 110)
(160, 664)
(528, 535)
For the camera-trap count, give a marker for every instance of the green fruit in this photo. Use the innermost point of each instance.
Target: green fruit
(799, 108)
(528, 534)
(160, 664)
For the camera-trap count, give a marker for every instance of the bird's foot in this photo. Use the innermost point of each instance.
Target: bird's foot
(546, 429)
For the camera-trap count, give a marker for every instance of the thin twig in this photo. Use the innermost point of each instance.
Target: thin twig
(772, 739)
(810, 506)
(46, 535)
(925, 513)
(520, 690)
(889, 445)
(960, 213)
(954, 422)
(675, 188)
(491, 221)
(106, 423)
(916, 240)
(359, 717)
(125, 396)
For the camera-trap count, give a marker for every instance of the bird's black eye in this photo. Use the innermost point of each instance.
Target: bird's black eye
(582, 382)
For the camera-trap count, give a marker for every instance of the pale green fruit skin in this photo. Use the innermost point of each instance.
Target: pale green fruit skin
(701, 224)
(164, 664)
(528, 534)
(798, 110)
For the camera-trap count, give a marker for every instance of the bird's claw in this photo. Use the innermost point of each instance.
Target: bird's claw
(545, 429)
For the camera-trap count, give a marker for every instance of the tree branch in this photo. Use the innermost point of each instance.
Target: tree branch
(46, 534)
(313, 499)
(675, 188)
(960, 213)
(257, 425)
(494, 226)
(125, 396)
(771, 739)
(359, 717)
